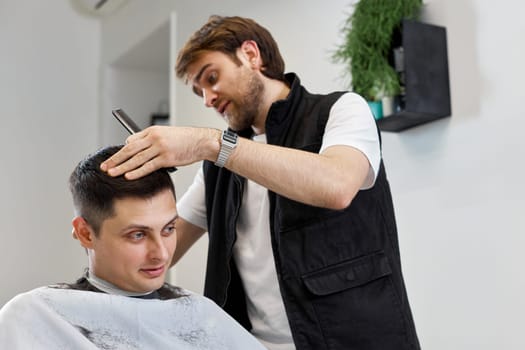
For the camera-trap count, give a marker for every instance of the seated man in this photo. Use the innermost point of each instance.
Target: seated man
(128, 229)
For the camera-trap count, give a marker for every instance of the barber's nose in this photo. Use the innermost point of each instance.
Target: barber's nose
(209, 97)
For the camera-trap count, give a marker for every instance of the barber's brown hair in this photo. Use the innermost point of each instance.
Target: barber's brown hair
(226, 35)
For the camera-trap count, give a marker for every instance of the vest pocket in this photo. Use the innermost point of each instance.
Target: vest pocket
(348, 274)
(355, 305)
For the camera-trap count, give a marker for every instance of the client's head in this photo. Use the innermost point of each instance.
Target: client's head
(127, 226)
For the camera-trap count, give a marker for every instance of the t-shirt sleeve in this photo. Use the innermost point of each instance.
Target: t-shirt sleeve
(192, 206)
(351, 123)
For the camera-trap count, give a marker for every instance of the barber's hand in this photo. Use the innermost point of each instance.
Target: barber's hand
(162, 147)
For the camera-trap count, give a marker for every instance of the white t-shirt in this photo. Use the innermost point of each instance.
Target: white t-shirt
(350, 123)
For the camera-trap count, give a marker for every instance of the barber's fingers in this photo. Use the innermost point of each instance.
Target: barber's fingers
(134, 159)
(137, 136)
(144, 169)
(131, 156)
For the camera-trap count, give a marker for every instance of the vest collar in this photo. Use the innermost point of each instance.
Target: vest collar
(280, 111)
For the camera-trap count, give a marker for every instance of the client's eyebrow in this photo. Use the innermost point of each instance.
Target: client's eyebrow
(172, 220)
(148, 228)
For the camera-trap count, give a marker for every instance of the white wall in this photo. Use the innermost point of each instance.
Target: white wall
(458, 190)
(135, 67)
(138, 92)
(48, 107)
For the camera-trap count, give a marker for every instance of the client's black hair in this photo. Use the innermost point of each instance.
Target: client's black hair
(94, 191)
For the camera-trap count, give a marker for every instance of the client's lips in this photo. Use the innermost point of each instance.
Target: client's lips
(154, 271)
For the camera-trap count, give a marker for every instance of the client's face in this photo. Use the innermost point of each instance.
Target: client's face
(134, 248)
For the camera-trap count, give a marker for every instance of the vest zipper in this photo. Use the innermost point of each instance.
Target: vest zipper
(233, 229)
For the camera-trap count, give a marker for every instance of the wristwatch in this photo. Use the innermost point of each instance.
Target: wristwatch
(228, 144)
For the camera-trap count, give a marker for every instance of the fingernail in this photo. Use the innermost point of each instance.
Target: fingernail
(103, 167)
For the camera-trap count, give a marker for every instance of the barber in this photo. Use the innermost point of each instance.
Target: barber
(303, 247)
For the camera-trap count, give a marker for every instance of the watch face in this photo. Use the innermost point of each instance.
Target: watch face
(229, 136)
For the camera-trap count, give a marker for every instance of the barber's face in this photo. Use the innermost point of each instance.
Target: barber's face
(234, 91)
(134, 247)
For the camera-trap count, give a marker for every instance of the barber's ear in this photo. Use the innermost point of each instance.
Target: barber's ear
(250, 51)
(83, 232)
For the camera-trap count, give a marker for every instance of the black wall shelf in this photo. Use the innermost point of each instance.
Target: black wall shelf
(424, 74)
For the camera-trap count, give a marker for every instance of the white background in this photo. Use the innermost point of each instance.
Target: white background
(456, 183)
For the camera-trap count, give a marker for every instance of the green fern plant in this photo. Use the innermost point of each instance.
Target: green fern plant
(367, 43)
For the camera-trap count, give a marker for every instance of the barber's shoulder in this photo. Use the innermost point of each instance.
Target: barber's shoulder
(351, 99)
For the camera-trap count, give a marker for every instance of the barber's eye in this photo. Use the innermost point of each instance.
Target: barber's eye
(212, 78)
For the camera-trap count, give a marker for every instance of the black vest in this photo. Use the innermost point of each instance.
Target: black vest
(339, 271)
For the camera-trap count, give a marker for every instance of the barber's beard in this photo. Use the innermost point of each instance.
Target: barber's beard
(248, 105)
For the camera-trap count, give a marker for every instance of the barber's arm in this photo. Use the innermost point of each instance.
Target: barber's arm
(187, 235)
(330, 179)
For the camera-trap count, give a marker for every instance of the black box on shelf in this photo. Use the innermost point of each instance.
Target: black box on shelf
(422, 49)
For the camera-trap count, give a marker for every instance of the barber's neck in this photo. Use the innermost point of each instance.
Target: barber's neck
(274, 90)
(110, 288)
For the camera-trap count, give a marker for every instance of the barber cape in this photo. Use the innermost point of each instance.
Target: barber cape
(54, 318)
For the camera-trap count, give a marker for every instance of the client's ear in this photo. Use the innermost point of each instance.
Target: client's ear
(83, 232)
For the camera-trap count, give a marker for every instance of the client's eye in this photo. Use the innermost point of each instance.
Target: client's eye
(136, 236)
(169, 230)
